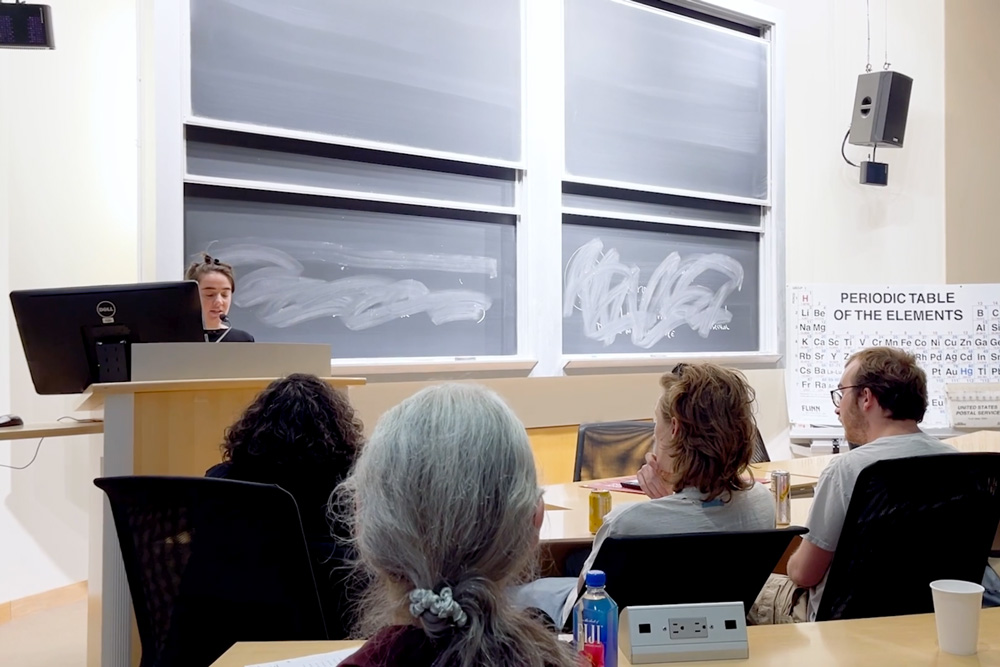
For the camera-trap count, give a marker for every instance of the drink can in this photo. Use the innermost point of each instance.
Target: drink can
(600, 505)
(781, 487)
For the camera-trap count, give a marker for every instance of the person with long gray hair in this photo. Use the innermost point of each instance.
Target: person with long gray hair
(445, 508)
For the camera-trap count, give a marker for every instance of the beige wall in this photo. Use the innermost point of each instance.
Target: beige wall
(547, 405)
(836, 229)
(972, 142)
(69, 124)
(5, 316)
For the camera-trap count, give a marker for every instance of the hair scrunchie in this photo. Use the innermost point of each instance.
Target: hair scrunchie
(438, 611)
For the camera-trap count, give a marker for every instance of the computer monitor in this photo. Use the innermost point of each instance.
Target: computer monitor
(77, 336)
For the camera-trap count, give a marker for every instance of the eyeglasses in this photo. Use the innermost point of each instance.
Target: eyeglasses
(678, 369)
(837, 395)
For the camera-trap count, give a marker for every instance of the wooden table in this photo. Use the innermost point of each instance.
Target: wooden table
(898, 640)
(566, 527)
(51, 430)
(567, 512)
(810, 467)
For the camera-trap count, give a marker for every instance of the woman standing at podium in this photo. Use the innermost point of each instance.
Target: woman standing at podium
(216, 284)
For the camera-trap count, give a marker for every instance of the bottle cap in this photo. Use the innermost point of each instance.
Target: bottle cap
(595, 578)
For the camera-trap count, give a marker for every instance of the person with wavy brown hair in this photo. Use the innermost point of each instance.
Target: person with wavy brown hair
(302, 435)
(696, 475)
(704, 435)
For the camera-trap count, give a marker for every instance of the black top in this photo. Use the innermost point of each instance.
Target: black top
(234, 336)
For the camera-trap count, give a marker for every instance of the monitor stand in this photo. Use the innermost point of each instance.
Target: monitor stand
(112, 357)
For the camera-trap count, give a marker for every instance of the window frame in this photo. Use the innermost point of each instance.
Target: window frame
(165, 109)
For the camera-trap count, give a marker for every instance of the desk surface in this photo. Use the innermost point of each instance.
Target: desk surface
(811, 466)
(50, 430)
(94, 397)
(567, 512)
(899, 640)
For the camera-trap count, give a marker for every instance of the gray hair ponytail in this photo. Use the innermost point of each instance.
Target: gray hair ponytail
(442, 501)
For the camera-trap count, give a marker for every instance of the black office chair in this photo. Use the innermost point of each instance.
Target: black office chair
(615, 449)
(911, 521)
(611, 449)
(760, 454)
(211, 562)
(691, 568)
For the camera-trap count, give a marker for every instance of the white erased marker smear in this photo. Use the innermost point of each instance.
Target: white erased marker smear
(612, 302)
(282, 296)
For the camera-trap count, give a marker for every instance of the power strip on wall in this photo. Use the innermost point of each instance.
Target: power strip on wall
(683, 632)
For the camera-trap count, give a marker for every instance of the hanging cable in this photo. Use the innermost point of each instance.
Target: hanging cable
(34, 456)
(868, 22)
(843, 145)
(886, 65)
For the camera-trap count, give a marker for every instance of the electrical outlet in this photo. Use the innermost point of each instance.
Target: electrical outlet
(682, 632)
(689, 628)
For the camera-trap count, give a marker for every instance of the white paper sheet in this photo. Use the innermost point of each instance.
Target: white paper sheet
(331, 659)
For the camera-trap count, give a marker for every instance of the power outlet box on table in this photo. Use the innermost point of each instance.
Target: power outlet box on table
(682, 632)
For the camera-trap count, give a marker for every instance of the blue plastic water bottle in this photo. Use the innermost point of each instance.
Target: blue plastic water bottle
(595, 624)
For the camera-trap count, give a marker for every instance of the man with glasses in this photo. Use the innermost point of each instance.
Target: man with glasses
(880, 400)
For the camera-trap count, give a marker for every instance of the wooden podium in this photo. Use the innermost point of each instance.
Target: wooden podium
(166, 427)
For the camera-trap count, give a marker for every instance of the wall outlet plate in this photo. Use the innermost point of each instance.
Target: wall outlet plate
(682, 632)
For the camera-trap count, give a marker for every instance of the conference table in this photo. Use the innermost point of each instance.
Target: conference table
(567, 505)
(895, 640)
(810, 467)
(566, 525)
(567, 512)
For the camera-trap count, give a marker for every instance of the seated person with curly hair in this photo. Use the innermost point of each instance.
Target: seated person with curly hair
(302, 435)
(696, 476)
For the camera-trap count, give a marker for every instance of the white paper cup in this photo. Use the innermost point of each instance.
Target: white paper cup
(956, 614)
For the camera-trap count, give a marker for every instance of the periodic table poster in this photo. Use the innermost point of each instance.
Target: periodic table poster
(953, 330)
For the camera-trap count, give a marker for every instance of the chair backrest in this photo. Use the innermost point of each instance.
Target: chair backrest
(211, 562)
(760, 454)
(690, 568)
(614, 449)
(912, 521)
(611, 449)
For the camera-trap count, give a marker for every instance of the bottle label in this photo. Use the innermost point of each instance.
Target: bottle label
(594, 636)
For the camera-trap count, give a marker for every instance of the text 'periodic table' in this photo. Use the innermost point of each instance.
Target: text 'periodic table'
(953, 330)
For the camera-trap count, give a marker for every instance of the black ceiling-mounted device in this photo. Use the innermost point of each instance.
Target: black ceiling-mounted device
(24, 26)
(881, 106)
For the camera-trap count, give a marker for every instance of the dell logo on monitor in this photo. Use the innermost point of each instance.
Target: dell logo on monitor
(106, 310)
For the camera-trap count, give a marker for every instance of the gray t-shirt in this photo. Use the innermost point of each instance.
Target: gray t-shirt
(685, 512)
(836, 483)
(681, 512)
